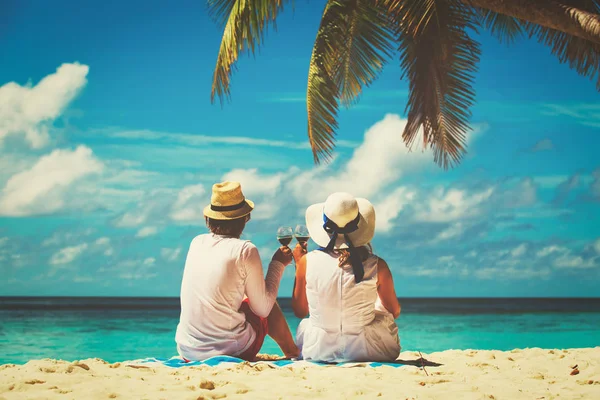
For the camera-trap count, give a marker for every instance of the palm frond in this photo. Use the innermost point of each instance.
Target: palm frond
(322, 92)
(580, 54)
(245, 29)
(352, 45)
(505, 28)
(440, 60)
(366, 46)
(578, 18)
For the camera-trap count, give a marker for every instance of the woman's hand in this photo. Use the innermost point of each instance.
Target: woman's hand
(283, 255)
(299, 251)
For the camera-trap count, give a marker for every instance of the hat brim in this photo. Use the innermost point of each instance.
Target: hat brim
(361, 237)
(229, 215)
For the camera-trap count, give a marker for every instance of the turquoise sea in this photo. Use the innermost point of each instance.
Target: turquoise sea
(119, 329)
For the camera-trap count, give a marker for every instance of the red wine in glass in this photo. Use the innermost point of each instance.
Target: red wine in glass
(285, 234)
(301, 234)
(285, 241)
(302, 239)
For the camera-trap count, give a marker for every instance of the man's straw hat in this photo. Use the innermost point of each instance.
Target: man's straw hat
(228, 202)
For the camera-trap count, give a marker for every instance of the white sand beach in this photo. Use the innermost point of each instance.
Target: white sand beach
(469, 374)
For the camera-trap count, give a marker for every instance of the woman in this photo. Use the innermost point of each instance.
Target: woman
(227, 304)
(347, 290)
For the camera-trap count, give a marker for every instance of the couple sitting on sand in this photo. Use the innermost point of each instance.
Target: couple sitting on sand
(228, 306)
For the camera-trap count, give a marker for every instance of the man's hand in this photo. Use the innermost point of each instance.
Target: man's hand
(299, 251)
(283, 255)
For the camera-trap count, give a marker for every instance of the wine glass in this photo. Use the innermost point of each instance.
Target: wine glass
(302, 235)
(285, 235)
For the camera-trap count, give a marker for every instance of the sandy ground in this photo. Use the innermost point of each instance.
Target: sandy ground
(518, 374)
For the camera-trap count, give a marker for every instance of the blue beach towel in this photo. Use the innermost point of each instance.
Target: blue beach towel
(177, 362)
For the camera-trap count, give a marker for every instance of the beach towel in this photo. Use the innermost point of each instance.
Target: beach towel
(177, 362)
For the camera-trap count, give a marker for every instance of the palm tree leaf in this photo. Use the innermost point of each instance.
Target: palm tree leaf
(505, 28)
(322, 92)
(440, 60)
(245, 29)
(578, 18)
(352, 45)
(365, 47)
(580, 54)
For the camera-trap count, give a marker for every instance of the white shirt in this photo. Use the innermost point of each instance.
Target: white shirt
(347, 321)
(219, 273)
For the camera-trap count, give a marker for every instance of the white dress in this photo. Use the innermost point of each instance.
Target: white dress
(347, 321)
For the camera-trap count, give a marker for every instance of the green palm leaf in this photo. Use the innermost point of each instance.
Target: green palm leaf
(352, 45)
(440, 60)
(247, 22)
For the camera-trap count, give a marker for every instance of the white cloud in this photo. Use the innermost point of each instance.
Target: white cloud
(446, 259)
(565, 258)
(569, 260)
(454, 204)
(146, 231)
(382, 158)
(369, 172)
(190, 203)
(102, 241)
(135, 269)
(520, 194)
(132, 218)
(42, 188)
(29, 110)
(596, 245)
(264, 187)
(550, 250)
(68, 254)
(390, 207)
(519, 250)
(201, 140)
(149, 261)
(511, 273)
(170, 254)
(454, 230)
(586, 114)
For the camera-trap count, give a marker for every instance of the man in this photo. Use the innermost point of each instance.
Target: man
(227, 304)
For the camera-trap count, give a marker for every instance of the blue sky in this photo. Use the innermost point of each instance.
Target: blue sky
(109, 146)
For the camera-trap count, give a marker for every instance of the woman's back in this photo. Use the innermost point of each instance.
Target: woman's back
(344, 323)
(336, 302)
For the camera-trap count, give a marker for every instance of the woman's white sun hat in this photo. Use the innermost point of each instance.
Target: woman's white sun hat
(228, 202)
(343, 210)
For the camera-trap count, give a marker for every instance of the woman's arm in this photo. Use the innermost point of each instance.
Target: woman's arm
(299, 301)
(261, 290)
(385, 288)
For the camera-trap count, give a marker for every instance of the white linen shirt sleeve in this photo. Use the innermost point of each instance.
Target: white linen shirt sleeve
(261, 290)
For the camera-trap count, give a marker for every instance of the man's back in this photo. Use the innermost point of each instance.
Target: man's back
(212, 291)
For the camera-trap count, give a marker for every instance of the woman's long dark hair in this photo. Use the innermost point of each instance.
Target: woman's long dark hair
(344, 255)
